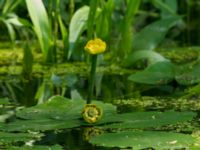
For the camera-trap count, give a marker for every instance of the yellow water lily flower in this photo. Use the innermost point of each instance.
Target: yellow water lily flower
(95, 46)
(91, 113)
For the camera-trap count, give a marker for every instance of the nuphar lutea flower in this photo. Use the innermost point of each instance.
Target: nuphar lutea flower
(95, 46)
(91, 113)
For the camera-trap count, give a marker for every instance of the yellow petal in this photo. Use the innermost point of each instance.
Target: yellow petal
(95, 46)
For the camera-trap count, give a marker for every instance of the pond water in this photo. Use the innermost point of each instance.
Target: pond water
(112, 86)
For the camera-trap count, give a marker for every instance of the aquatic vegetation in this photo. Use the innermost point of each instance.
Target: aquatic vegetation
(99, 74)
(61, 113)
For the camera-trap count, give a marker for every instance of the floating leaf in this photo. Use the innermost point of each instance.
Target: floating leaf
(36, 147)
(6, 138)
(156, 74)
(40, 125)
(57, 113)
(140, 120)
(144, 139)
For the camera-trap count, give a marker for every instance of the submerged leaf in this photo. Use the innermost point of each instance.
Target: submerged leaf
(144, 139)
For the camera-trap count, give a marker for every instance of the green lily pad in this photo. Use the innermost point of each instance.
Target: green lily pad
(140, 120)
(56, 107)
(40, 125)
(6, 138)
(144, 139)
(188, 74)
(36, 147)
(57, 113)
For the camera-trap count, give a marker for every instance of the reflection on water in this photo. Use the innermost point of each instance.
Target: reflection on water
(75, 139)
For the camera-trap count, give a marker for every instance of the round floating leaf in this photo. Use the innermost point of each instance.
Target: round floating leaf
(140, 120)
(155, 74)
(6, 138)
(57, 113)
(40, 125)
(144, 139)
(56, 107)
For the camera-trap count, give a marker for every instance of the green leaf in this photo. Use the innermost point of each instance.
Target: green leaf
(35, 147)
(168, 8)
(64, 34)
(149, 37)
(155, 74)
(125, 44)
(41, 24)
(6, 138)
(144, 139)
(55, 107)
(141, 120)
(57, 113)
(77, 26)
(151, 56)
(41, 124)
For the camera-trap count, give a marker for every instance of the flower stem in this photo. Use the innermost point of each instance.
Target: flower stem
(92, 78)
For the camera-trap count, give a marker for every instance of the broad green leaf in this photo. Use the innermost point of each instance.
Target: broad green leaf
(149, 37)
(41, 124)
(155, 74)
(151, 56)
(77, 26)
(57, 113)
(55, 107)
(140, 120)
(144, 139)
(6, 138)
(41, 24)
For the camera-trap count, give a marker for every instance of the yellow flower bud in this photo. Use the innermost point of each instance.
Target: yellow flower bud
(91, 113)
(95, 46)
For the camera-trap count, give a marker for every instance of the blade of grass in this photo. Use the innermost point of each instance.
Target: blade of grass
(41, 26)
(125, 43)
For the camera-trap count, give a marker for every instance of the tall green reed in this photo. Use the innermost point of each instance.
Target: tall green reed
(126, 36)
(41, 26)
